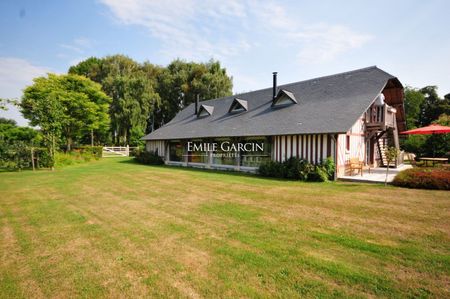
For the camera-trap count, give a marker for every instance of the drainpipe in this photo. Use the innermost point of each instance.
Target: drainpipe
(336, 162)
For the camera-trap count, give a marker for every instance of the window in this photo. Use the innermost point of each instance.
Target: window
(284, 98)
(347, 142)
(205, 110)
(261, 149)
(176, 151)
(238, 105)
(224, 153)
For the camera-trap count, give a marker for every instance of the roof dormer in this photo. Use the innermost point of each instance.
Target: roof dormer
(205, 110)
(284, 98)
(238, 105)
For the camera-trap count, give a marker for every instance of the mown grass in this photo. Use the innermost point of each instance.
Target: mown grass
(113, 228)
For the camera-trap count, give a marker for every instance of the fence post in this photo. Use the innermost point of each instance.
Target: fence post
(127, 152)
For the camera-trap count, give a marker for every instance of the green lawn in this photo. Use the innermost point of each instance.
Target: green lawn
(113, 228)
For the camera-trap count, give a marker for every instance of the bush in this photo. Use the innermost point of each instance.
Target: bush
(298, 169)
(75, 157)
(16, 155)
(424, 178)
(150, 158)
(94, 151)
(319, 174)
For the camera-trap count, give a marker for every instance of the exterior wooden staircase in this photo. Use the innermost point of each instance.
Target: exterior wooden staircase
(382, 126)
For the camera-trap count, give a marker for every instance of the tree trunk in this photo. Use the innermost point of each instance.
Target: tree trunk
(32, 157)
(387, 173)
(52, 152)
(92, 137)
(69, 144)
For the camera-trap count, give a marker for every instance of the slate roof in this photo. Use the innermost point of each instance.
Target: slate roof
(330, 104)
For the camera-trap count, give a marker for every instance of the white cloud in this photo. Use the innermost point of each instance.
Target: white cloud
(324, 43)
(78, 45)
(15, 75)
(196, 29)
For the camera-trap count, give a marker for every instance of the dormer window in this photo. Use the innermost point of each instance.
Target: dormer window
(205, 110)
(284, 98)
(238, 105)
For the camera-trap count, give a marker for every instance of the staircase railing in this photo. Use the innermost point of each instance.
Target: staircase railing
(381, 116)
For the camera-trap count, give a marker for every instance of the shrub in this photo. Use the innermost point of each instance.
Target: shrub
(329, 167)
(73, 157)
(423, 178)
(16, 155)
(298, 169)
(271, 169)
(94, 151)
(319, 174)
(146, 157)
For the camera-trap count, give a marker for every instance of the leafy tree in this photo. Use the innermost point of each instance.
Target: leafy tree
(146, 96)
(180, 82)
(65, 106)
(5, 102)
(391, 154)
(6, 121)
(413, 102)
(91, 68)
(2, 104)
(131, 87)
(432, 106)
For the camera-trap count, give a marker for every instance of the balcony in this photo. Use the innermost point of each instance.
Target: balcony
(380, 117)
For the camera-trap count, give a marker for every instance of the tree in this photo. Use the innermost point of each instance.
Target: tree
(146, 96)
(2, 104)
(432, 106)
(391, 154)
(91, 68)
(180, 82)
(132, 89)
(413, 102)
(65, 106)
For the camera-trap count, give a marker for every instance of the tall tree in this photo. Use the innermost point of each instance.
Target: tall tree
(91, 68)
(413, 102)
(180, 82)
(132, 89)
(432, 106)
(65, 106)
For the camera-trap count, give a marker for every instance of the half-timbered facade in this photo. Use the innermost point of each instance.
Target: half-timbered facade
(352, 115)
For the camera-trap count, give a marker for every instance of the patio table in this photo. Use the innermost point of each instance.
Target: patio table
(434, 160)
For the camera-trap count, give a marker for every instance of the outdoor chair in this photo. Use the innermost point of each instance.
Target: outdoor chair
(355, 164)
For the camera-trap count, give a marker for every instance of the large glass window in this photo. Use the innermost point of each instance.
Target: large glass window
(175, 151)
(225, 153)
(199, 155)
(259, 151)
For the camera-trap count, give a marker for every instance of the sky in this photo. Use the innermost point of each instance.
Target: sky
(298, 39)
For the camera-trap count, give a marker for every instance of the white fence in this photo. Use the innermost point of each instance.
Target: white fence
(116, 151)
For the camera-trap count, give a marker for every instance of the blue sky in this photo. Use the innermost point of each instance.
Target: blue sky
(299, 39)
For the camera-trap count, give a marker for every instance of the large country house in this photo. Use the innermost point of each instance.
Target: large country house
(346, 116)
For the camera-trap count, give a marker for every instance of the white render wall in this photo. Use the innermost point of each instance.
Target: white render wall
(357, 146)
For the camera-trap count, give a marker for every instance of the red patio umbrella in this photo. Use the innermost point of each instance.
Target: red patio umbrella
(431, 129)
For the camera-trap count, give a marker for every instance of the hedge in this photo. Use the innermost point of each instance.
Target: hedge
(424, 178)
